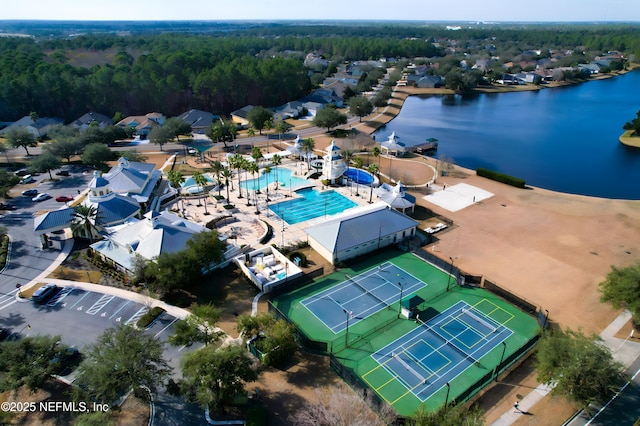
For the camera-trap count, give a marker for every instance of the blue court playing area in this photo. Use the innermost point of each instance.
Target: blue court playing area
(361, 296)
(430, 356)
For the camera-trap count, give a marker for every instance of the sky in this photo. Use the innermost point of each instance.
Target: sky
(416, 10)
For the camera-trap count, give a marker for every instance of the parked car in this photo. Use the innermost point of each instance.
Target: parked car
(6, 206)
(62, 173)
(27, 179)
(64, 198)
(30, 192)
(22, 172)
(44, 293)
(41, 197)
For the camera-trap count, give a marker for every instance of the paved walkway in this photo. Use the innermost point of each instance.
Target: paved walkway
(624, 351)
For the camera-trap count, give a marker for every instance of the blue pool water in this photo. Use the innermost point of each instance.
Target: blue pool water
(310, 205)
(283, 175)
(360, 176)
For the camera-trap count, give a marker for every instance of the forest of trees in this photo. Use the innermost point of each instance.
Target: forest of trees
(221, 68)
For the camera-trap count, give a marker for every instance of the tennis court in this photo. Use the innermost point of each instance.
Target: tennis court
(458, 340)
(357, 298)
(427, 358)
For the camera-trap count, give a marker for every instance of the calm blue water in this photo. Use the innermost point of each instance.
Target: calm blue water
(311, 205)
(564, 139)
(284, 177)
(359, 176)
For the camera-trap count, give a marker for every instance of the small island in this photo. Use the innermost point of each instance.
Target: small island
(631, 136)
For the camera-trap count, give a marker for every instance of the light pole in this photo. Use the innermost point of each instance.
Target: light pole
(446, 398)
(450, 271)
(346, 334)
(546, 318)
(400, 301)
(283, 233)
(504, 349)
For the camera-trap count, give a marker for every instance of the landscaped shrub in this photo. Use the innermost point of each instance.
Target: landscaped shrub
(501, 177)
(149, 317)
(298, 255)
(268, 235)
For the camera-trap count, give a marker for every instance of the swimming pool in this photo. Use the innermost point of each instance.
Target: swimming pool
(310, 205)
(283, 175)
(359, 176)
(192, 187)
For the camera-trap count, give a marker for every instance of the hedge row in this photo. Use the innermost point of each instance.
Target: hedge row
(501, 177)
(149, 317)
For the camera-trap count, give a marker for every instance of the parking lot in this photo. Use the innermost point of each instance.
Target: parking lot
(79, 316)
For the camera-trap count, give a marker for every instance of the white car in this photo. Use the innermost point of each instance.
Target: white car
(41, 197)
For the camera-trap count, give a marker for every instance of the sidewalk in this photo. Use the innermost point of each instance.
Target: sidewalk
(623, 351)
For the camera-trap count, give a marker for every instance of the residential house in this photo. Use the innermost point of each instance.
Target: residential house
(325, 97)
(293, 109)
(315, 62)
(429, 81)
(37, 128)
(239, 116)
(200, 120)
(143, 123)
(92, 119)
(351, 235)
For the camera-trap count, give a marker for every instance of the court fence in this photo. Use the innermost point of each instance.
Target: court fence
(301, 281)
(509, 296)
(314, 346)
(340, 344)
(356, 383)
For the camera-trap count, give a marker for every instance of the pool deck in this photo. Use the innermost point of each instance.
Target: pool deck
(246, 227)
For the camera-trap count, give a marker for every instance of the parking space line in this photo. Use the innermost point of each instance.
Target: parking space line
(170, 324)
(137, 315)
(101, 303)
(8, 304)
(59, 296)
(120, 308)
(79, 300)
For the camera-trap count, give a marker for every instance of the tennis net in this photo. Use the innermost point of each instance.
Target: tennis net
(419, 376)
(356, 283)
(484, 322)
(448, 342)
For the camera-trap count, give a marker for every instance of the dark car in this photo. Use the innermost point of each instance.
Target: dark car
(62, 173)
(30, 192)
(64, 198)
(5, 206)
(22, 172)
(44, 293)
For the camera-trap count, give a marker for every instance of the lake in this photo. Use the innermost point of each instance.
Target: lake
(564, 139)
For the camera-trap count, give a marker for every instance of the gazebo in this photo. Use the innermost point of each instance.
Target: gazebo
(391, 146)
(396, 197)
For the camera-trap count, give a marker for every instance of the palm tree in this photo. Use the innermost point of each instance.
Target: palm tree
(373, 169)
(308, 145)
(347, 155)
(217, 168)
(266, 172)
(251, 132)
(235, 161)
(176, 178)
(256, 154)
(252, 168)
(227, 174)
(276, 160)
(245, 165)
(376, 154)
(357, 161)
(201, 181)
(281, 127)
(84, 221)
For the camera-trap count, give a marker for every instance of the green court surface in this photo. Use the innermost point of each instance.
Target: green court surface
(361, 347)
